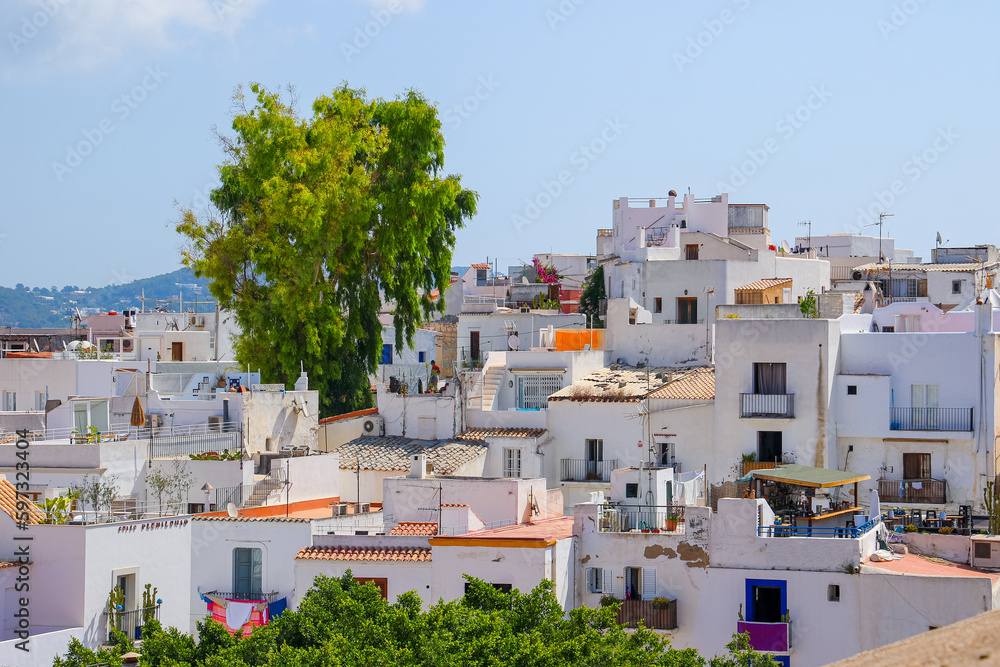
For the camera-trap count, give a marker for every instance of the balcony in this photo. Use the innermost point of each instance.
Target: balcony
(931, 419)
(642, 518)
(130, 622)
(583, 470)
(633, 612)
(767, 637)
(767, 406)
(930, 491)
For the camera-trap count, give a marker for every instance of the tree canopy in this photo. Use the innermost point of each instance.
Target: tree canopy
(343, 623)
(319, 220)
(593, 294)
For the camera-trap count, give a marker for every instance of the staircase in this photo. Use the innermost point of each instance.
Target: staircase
(264, 486)
(491, 383)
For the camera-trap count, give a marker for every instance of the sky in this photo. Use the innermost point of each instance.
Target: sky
(551, 109)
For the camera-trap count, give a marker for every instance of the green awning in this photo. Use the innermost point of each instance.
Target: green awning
(816, 478)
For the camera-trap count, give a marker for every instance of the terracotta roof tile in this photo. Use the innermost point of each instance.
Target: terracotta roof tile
(8, 503)
(696, 385)
(392, 453)
(349, 415)
(766, 283)
(379, 554)
(454, 505)
(8, 563)
(480, 266)
(415, 528)
(289, 519)
(617, 384)
(483, 433)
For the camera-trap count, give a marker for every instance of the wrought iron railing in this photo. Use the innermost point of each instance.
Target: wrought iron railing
(643, 518)
(772, 406)
(201, 443)
(131, 622)
(931, 491)
(250, 596)
(931, 419)
(583, 470)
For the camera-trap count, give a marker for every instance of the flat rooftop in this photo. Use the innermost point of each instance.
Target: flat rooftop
(542, 532)
(919, 565)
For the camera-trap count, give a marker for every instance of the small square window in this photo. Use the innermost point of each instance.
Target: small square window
(956, 286)
(852, 390)
(421, 357)
(631, 490)
(658, 305)
(833, 593)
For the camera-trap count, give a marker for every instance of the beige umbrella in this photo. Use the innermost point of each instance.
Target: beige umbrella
(138, 414)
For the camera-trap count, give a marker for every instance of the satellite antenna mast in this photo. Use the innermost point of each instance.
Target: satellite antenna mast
(809, 225)
(881, 220)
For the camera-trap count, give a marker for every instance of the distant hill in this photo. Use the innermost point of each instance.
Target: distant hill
(38, 307)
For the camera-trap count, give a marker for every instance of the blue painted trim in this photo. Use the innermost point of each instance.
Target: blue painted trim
(771, 583)
(781, 659)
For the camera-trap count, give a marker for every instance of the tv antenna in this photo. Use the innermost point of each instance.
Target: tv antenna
(809, 225)
(881, 220)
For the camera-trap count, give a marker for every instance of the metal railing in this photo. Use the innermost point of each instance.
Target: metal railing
(252, 596)
(633, 612)
(582, 470)
(265, 487)
(643, 518)
(771, 406)
(931, 491)
(231, 494)
(131, 622)
(201, 443)
(931, 419)
(125, 431)
(853, 532)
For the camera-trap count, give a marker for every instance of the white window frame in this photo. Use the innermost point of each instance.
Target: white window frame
(9, 401)
(534, 389)
(600, 580)
(40, 400)
(511, 461)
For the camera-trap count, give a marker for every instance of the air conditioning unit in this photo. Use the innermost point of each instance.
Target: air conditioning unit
(201, 320)
(339, 509)
(362, 508)
(192, 321)
(154, 421)
(127, 344)
(372, 425)
(215, 423)
(986, 552)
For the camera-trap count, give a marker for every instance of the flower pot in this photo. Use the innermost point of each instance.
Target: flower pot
(670, 524)
(645, 530)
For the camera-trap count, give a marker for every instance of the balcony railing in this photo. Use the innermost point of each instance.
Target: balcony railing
(633, 612)
(131, 622)
(770, 406)
(642, 518)
(254, 596)
(767, 637)
(818, 531)
(931, 491)
(582, 470)
(750, 466)
(931, 419)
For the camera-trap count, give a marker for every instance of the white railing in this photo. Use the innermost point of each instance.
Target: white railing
(119, 432)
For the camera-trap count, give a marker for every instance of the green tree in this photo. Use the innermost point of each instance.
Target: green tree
(593, 294)
(319, 220)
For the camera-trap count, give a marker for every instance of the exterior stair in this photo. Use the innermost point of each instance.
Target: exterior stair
(491, 384)
(264, 486)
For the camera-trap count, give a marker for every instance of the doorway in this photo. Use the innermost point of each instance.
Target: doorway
(474, 345)
(177, 351)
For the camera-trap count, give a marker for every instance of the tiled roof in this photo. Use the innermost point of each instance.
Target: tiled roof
(290, 519)
(699, 384)
(415, 528)
(382, 554)
(349, 415)
(960, 267)
(392, 453)
(8, 503)
(8, 563)
(617, 384)
(482, 433)
(480, 266)
(766, 283)
(454, 505)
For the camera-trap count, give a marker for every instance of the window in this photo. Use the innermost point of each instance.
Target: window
(691, 251)
(909, 323)
(480, 277)
(982, 549)
(247, 573)
(421, 357)
(386, 354)
(381, 583)
(640, 583)
(852, 390)
(833, 593)
(658, 305)
(888, 329)
(595, 457)
(916, 466)
(503, 588)
(665, 454)
(39, 400)
(533, 391)
(511, 462)
(769, 379)
(766, 600)
(631, 490)
(769, 446)
(599, 580)
(924, 405)
(9, 401)
(687, 310)
(956, 286)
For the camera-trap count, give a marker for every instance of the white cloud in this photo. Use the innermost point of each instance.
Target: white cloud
(406, 5)
(80, 34)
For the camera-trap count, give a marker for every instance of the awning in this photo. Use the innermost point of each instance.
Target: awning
(816, 478)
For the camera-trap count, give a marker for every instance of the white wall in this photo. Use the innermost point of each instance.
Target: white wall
(424, 416)
(493, 500)
(402, 577)
(271, 415)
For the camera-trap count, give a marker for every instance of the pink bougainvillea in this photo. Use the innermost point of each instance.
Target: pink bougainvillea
(547, 274)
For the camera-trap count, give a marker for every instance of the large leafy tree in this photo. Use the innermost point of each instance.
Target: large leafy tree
(320, 220)
(593, 294)
(340, 622)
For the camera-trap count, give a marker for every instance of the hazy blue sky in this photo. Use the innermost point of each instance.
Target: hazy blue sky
(819, 110)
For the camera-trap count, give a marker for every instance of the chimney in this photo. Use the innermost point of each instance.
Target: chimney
(419, 468)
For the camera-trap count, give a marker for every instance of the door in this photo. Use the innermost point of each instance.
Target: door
(924, 405)
(177, 351)
(595, 459)
(687, 310)
(769, 446)
(474, 345)
(767, 604)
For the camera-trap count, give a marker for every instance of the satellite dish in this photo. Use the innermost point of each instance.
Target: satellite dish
(785, 248)
(939, 238)
(513, 342)
(231, 510)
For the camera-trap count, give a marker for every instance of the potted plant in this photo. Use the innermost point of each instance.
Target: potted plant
(220, 380)
(661, 602)
(116, 605)
(671, 523)
(149, 605)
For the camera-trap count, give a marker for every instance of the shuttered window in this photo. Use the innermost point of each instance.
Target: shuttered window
(916, 466)
(533, 391)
